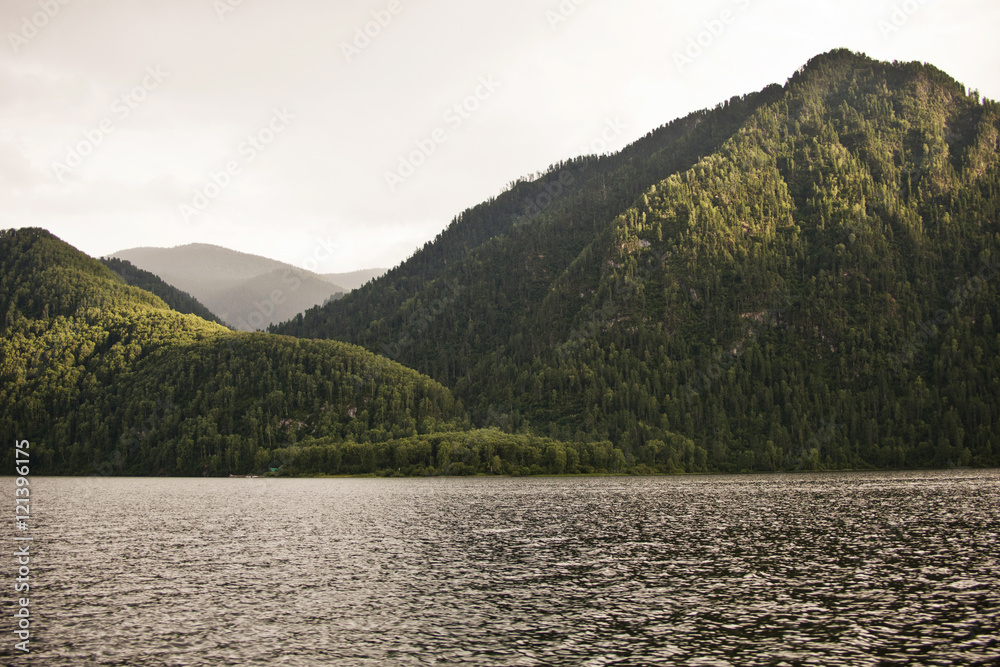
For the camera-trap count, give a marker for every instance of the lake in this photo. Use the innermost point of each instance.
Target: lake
(810, 569)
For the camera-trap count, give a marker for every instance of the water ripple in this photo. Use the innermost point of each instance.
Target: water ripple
(860, 569)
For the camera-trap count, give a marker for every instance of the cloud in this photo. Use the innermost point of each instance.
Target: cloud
(16, 172)
(355, 117)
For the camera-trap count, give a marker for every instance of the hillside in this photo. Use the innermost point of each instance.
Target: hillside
(254, 303)
(246, 291)
(104, 378)
(352, 280)
(802, 278)
(177, 300)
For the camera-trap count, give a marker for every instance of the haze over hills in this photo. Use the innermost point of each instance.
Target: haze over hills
(802, 277)
(180, 301)
(246, 291)
(352, 280)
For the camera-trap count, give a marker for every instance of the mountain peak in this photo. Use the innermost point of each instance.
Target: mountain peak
(839, 63)
(741, 276)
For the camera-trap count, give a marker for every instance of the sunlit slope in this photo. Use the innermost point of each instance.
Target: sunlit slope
(804, 278)
(103, 377)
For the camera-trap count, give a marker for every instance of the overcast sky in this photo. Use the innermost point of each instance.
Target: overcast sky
(272, 127)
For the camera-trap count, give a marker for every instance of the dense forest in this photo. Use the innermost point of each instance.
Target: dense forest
(801, 278)
(104, 378)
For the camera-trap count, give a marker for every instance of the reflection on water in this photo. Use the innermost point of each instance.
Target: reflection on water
(856, 569)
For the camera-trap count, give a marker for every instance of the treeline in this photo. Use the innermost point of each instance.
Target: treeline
(533, 231)
(482, 452)
(804, 278)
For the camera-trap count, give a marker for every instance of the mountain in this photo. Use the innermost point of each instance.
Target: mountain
(246, 291)
(177, 300)
(103, 378)
(805, 277)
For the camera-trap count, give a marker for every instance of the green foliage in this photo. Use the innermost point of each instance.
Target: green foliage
(480, 452)
(104, 378)
(180, 301)
(802, 278)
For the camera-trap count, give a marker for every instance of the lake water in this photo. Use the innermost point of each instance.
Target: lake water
(830, 569)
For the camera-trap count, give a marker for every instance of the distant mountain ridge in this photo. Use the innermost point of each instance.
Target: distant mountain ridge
(178, 300)
(246, 291)
(352, 280)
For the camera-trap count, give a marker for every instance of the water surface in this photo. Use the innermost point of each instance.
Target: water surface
(852, 569)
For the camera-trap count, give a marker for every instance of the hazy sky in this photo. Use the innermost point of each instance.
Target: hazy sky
(277, 127)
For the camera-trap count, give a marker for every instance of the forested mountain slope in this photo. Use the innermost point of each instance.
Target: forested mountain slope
(104, 378)
(533, 231)
(180, 301)
(805, 277)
